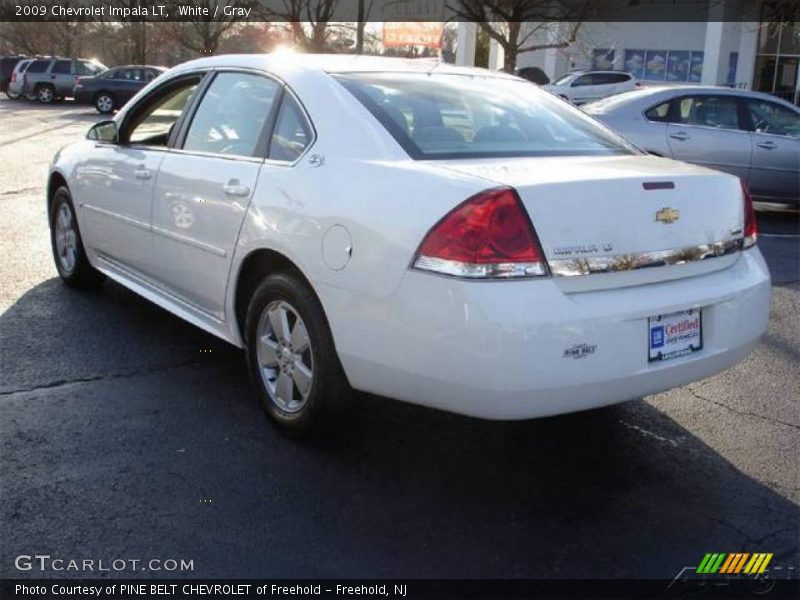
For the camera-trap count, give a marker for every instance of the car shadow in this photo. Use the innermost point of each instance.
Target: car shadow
(127, 432)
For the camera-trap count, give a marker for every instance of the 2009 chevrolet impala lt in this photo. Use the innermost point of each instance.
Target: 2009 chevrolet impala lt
(446, 236)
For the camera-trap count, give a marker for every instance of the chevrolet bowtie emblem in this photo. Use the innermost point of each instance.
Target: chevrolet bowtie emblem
(668, 215)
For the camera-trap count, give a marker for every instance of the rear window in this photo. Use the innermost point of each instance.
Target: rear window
(38, 66)
(453, 116)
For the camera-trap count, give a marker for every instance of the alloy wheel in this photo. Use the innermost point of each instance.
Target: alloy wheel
(285, 358)
(45, 95)
(66, 237)
(105, 104)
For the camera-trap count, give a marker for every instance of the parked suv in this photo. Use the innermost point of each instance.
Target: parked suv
(49, 79)
(14, 88)
(7, 65)
(585, 86)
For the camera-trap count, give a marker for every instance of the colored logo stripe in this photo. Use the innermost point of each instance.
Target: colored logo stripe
(734, 563)
(711, 563)
(758, 563)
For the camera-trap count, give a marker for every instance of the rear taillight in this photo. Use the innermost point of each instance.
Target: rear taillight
(750, 226)
(13, 77)
(488, 236)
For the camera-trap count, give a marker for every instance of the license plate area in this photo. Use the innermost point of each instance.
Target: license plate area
(674, 335)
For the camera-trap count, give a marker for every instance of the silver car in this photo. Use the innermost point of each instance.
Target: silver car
(749, 134)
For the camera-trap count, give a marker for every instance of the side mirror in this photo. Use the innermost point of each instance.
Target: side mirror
(104, 131)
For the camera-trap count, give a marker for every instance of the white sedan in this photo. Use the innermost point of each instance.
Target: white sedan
(445, 236)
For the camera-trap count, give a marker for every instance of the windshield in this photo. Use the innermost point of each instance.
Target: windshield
(565, 79)
(453, 116)
(614, 101)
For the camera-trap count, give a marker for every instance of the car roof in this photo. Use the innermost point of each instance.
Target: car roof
(666, 92)
(157, 68)
(337, 63)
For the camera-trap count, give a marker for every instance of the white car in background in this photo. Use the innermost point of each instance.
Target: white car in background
(445, 236)
(586, 86)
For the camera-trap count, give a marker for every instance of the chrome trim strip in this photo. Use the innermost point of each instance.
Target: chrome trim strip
(571, 267)
(124, 218)
(221, 252)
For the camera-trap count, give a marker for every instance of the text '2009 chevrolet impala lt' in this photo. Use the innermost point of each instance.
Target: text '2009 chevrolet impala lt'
(445, 236)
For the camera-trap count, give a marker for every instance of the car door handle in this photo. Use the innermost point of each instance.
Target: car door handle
(234, 188)
(681, 135)
(767, 145)
(142, 173)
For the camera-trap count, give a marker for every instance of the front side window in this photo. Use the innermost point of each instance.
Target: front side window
(62, 67)
(152, 123)
(232, 115)
(90, 67)
(768, 117)
(292, 133)
(584, 80)
(721, 112)
(453, 116)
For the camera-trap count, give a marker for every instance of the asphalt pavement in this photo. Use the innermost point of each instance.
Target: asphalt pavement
(127, 433)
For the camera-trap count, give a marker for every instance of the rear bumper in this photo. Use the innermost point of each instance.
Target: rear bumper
(82, 96)
(496, 350)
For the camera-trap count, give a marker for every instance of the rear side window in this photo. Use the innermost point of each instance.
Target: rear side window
(23, 66)
(658, 113)
(232, 116)
(62, 67)
(605, 78)
(292, 133)
(38, 66)
(452, 116)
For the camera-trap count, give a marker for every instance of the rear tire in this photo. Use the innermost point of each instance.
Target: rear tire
(68, 251)
(291, 357)
(46, 94)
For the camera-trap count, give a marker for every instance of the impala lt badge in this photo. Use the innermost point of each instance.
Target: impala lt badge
(668, 215)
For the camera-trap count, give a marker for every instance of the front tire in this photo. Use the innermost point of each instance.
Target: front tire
(68, 251)
(291, 357)
(104, 103)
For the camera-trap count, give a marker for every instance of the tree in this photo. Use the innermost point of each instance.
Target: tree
(308, 20)
(503, 21)
(364, 8)
(202, 33)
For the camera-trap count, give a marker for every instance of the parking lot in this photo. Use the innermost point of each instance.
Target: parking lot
(127, 433)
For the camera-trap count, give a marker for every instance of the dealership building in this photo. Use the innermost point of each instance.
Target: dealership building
(734, 44)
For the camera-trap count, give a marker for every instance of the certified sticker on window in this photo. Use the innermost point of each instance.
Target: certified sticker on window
(673, 335)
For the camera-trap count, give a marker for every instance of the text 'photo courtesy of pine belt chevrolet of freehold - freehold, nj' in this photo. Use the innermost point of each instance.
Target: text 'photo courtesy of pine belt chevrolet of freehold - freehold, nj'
(407, 299)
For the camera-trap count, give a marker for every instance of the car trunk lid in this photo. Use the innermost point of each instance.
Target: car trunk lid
(610, 217)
